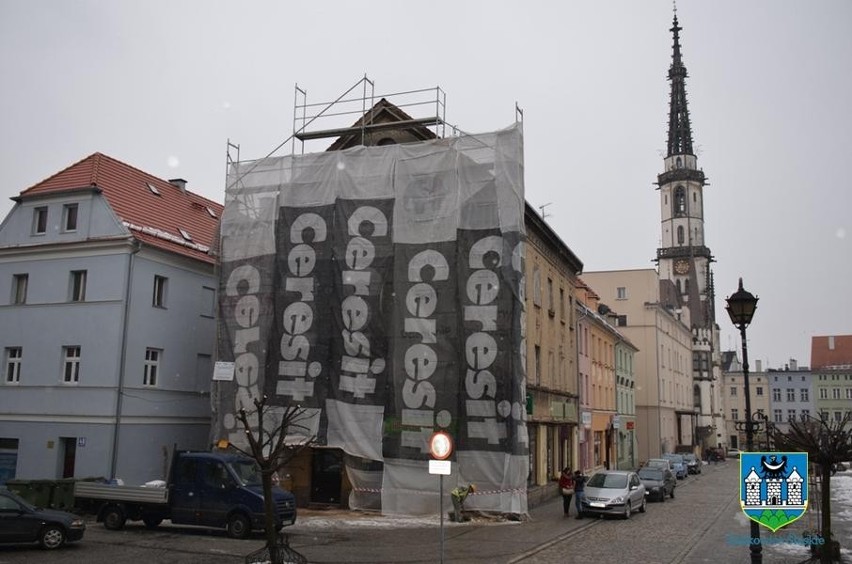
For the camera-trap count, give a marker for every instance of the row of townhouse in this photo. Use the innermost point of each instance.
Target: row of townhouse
(794, 393)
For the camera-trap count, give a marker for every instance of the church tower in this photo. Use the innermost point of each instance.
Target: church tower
(684, 258)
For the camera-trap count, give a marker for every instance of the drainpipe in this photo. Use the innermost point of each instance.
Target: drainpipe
(136, 247)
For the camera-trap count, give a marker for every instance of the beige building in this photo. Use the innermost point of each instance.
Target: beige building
(733, 385)
(649, 318)
(552, 399)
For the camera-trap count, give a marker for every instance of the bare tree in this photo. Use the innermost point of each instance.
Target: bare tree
(827, 443)
(267, 429)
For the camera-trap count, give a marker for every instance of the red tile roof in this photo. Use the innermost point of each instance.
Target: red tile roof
(828, 351)
(153, 219)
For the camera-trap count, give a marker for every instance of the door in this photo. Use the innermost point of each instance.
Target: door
(326, 476)
(215, 491)
(183, 497)
(17, 524)
(68, 455)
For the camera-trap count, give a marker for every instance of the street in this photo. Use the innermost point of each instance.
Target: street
(703, 523)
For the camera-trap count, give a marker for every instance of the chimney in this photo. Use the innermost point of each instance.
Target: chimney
(758, 366)
(794, 365)
(180, 183)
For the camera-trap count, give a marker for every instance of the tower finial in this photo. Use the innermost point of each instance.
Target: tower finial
(680, 132)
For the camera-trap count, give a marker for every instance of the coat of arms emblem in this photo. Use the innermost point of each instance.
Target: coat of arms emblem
(774, 487)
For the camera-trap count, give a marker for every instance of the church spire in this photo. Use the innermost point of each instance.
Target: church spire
(680, 132)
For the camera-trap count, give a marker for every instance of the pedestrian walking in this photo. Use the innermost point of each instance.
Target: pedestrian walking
(566, 485)
(579, 492)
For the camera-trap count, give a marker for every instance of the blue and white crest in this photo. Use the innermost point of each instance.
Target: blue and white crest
(774, 487)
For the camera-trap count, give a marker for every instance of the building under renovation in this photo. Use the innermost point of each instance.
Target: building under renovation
(379, 285)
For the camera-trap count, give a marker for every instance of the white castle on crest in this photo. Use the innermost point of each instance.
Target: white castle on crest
(774, 497)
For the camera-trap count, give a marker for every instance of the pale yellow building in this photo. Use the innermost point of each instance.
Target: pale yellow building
(650, 318)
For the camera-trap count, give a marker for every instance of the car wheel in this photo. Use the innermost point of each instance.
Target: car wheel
(114, 518)
(51, 536)
(627, 510)
(643, 506)
(239, 527)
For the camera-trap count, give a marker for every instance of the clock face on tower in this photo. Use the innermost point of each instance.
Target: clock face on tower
(681, 266)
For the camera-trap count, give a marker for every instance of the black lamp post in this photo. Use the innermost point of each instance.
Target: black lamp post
(741, 308)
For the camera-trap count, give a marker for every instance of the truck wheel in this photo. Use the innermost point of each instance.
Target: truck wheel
(239, 527)
(114, 518)
(52, 536)
(152, 522)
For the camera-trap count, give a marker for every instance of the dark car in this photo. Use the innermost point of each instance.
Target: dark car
(693, 465)
(658, 482)
(21, 522)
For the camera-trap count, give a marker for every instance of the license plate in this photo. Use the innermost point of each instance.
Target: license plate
(596, 504)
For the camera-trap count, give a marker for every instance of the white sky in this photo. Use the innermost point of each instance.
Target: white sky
(162, 85)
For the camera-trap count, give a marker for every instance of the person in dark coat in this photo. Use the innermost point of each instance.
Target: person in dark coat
(579, 492)
(566, 486)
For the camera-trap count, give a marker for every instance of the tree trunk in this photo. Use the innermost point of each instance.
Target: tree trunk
(827, 548)
(269, 519)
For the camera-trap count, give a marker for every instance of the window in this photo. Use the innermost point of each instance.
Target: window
(733, 391)
(776, 414)
(621, 293)
(823, 415)
(537, 361)
(838, 416)
(160, 283)
(208, 302)
(40, 220)
(69, 217)
(185, 234)
(562, 304)
(735, 414)
(536, 287)
(19, 288)
(776, 394)
(153, 189)
(680, 235)
(791, 394)
(680, 201)
(71, 372)
(78, 285)
(806, 413)
(791, 415)
(152, 367)
(803, 394)
(13, 364)
(848, 393)
(550, 297)
(759, 390)
(823, 393)
(835, 393)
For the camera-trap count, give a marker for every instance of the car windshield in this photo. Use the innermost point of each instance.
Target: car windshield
(614, 481)
(674, 457)
(658, 464)
(689, 457)
(247, 472)
(651, 474)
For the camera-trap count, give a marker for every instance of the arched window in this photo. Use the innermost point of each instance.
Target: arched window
(696, 396)
(680, 200)
(680, 234)
(679, 289)
(686, 286)
(678, 163)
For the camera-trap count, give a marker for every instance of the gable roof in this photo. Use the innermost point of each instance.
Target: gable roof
(154, 217)
(384, 115)
(829, 351)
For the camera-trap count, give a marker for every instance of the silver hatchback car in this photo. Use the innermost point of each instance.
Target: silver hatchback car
(614, 492)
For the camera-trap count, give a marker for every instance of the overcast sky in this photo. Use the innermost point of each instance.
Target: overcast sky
(162, 85)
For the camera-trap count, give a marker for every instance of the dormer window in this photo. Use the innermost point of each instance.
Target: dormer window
(185, 234)
(40, 220)
(153, 189)
(69, 217)
(211, 212)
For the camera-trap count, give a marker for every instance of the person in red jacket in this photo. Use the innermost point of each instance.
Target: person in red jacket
(566, 486)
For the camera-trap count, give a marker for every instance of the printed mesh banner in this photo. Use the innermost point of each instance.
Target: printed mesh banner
(381, 289)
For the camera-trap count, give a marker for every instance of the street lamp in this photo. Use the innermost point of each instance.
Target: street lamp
(741, 306)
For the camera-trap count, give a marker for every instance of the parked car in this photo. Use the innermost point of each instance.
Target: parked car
(22, 522)
(678, 465)
(658, 482)
(614, 492)
(664, 463)
(732, 453)
(693, 464)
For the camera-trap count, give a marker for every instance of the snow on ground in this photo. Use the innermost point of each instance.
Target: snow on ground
(341, 519)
